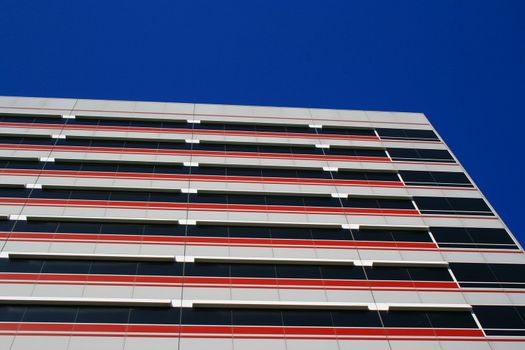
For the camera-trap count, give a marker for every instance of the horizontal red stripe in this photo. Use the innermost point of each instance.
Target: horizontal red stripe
(84, 149)
(218, 178)
(269, 337)
(207, 132)
(230, 208)
(191, 153)
(203, 207)
(225, 281)
(237, 330)
(193, 177)
(187, 131)
(248, 242)
(182, 240)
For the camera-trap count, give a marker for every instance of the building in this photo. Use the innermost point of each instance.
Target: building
(135, 225)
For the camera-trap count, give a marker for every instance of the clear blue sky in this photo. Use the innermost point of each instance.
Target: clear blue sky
(462, 63)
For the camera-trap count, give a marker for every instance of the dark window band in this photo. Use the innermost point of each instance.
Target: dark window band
(218, 198)
(501, 320)
(463, 237)
(452, 205)
(203, 146)
(435, 178)
(127, 167)
(489, 275)
(225, 316)
(453, 237)
(397, 154)
(407, 134)
(401, 134)
(422, 155)
(383, 273)
(417, 178)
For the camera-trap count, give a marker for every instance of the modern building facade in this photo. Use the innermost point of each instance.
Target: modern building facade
(136, 225)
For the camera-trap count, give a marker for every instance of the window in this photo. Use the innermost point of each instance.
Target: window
(356, 152)
(435, 178)
(395, 319)
(424, 319)
(501, 320)
(422, 155)
(407, 134)
(489, 275)
(206, 316)
(449, 205)
(27, 118)
(154, 315)
(20, 164)
(31, 140)
(346, 131)
(234, 270)
(254, 317)
(108, 314)
(482, 238)
(172, 229)
(409, 273)
(306, 318)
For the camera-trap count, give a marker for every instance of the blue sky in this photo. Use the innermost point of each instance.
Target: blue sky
(459, 62)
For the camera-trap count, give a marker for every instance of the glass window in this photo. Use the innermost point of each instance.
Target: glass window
(11, 313)
(257, 317)
(509, 272)
(206, 316)
(298, 271)
(387, 273)
(159, 268)
(356, 318)
(472, 272)
(35, 226)
(102, 315)
(246, 199)
(395, 319)
(448, 319)
(503, 317)
(113, 268)
(307, 318)
(168, 197)
(427, 155)
(284, 200)
(63, 266)
(50, 314)
(154, 315)
(429, 274)
(252, 270)
(207, 269)
(26, 266)
(343, 272)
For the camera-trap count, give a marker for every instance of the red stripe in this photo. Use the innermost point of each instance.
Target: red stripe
(219, 178)
(193, 177)
(207, 132)
(186, 131)
(231, 208)
(212, 154)
(225, 281)
(192, 152)
(237, 330)
(232, 241)
(267, 337)
(120, 239)
(203, 207)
